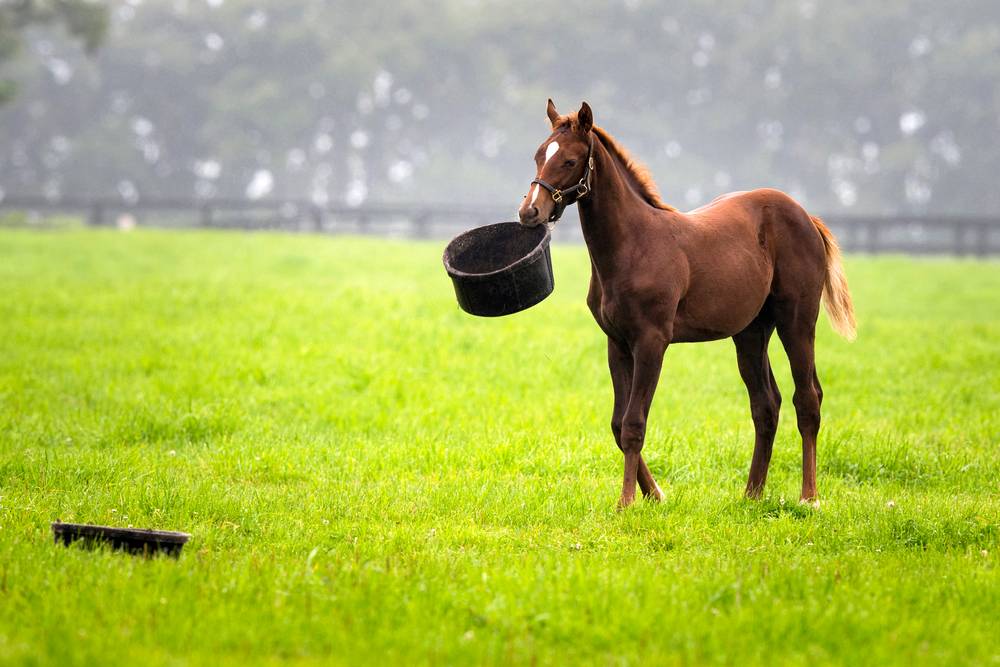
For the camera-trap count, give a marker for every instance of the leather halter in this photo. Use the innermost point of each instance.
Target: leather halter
(581, 189)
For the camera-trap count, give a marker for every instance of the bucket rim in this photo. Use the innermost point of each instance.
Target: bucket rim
(539, 249)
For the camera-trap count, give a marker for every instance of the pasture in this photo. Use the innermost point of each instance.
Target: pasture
(371, 475)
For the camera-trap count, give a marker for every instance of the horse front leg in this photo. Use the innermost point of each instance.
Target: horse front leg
(620, 367)
(620, 364)
(647, 360)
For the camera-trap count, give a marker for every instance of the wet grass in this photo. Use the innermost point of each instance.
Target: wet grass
(371, 475)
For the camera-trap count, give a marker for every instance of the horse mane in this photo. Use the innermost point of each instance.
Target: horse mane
(639, 175)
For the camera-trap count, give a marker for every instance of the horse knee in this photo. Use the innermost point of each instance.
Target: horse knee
(765, 417)
(633, 433)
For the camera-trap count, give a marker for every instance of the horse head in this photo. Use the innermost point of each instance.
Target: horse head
(564, 164)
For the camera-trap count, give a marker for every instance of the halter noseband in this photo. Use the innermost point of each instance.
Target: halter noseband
(581, 189)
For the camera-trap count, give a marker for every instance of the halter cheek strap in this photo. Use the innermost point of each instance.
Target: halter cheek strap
(580, 190)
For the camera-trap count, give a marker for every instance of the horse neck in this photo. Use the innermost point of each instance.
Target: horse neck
(609, 216)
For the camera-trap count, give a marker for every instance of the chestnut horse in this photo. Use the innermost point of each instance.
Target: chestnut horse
(742, 266)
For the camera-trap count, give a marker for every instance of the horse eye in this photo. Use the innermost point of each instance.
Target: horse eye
(569, 163)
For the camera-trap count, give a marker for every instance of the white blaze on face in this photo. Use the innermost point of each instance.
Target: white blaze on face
(550, 151)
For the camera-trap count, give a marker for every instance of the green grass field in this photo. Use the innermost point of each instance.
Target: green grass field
(371, 476)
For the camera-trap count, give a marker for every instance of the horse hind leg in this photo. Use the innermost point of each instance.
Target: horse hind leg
(765, 399)
(798, 335)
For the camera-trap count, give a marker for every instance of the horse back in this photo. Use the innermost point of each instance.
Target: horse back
(777, 224)
(740, 249)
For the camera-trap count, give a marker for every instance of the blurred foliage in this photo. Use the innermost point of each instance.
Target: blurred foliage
(82, 19)
(864, 107)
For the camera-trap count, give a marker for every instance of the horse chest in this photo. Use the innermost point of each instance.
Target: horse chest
(613, 312)
(602, 308)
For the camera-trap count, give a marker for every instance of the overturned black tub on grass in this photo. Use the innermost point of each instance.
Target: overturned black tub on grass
(500, 269)
(132, 540)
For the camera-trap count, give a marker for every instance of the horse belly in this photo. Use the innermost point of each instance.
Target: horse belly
(723, 298)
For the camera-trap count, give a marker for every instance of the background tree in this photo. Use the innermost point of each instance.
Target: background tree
(885, 107)
(82, 19)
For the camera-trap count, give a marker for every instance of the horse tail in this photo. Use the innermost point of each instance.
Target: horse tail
(836, 295)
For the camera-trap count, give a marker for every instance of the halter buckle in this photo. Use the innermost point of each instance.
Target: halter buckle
(557, 196)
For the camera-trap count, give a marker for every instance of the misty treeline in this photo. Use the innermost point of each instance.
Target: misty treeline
(82, 19)
(889, 106)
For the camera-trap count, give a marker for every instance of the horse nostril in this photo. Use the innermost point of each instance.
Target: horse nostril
(533, 211)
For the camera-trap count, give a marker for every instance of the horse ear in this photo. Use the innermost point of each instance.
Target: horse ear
(585, 117)
(552, 113)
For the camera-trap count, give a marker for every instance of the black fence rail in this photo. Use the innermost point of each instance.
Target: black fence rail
(937, 234)
(407, 221)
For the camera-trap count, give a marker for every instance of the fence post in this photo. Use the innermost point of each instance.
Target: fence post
(849, 237)
(96, 218)
(318, 218)
(982, 240)
(205, 216)
(957, 236)
(422, 225)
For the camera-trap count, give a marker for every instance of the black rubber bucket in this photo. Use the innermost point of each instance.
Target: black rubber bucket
(500, 269)
(132, 540)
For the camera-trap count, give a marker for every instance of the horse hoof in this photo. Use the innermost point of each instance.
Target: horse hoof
(811, 502)
(623, 503)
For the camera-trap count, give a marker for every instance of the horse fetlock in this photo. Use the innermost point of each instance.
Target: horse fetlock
(812, 501)
(625, 501)
(653, 493)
